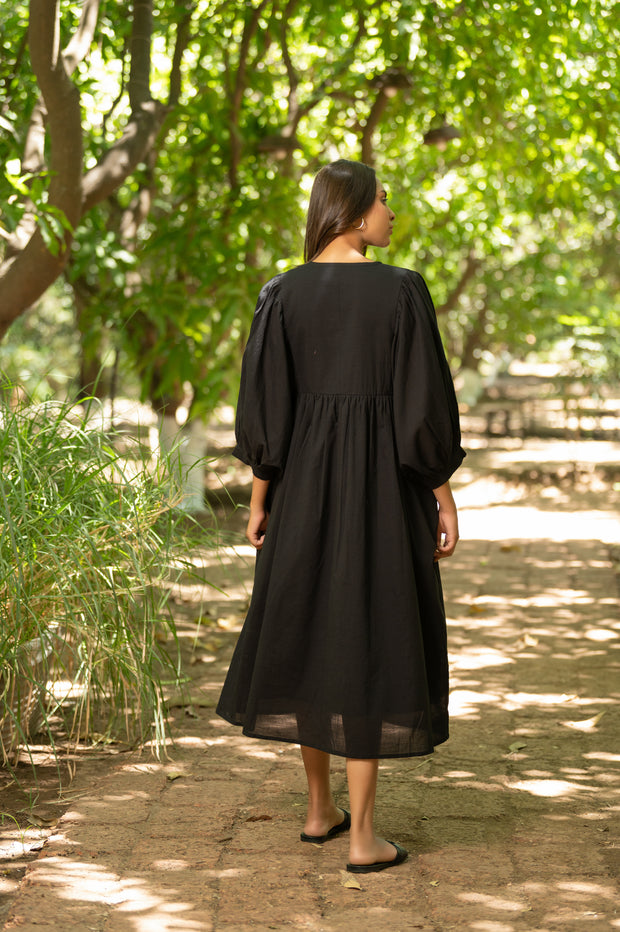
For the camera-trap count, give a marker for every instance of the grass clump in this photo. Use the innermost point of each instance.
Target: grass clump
(86, 547)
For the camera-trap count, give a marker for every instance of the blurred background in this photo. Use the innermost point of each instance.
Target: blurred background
(163, 176)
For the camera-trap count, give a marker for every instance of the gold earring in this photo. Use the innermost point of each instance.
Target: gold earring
(361, 226)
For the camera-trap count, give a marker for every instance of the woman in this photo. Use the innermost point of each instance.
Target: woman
(348, 418)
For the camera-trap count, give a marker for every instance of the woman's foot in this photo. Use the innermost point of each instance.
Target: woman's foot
(321, 826)
(377, 851)
(397, 854)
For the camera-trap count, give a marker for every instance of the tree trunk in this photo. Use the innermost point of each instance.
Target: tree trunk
(28, 272)
(31, 266)
(181, 451)
(91, 384)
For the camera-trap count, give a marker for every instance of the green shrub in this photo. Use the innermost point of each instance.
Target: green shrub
(86, 540)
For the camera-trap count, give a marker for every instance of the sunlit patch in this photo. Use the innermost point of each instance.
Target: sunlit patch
(601, 815)
(479, 657)
(515, 701)
(490, 925)
(552, 597)
(547, 788)
(191, 741)
(65, 689)
(168, 865)
(142, 768)
(78, 880)
(525, 523)
(257, 752)
(465, 703)
(581, 886)
(494, 902)
(8, 886)
(226, 874)
(602, 755)
(150, 910)
(601, 634)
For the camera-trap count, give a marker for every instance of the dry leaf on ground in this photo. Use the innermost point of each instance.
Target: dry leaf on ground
(347, 881)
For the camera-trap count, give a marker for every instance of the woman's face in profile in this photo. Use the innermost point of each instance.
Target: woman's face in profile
(379, 220)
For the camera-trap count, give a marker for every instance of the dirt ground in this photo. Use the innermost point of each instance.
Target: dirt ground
(512, 825)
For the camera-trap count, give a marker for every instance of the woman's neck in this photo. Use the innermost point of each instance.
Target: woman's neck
(345, 248)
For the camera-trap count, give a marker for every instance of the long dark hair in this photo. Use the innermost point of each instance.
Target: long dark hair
(341, 193)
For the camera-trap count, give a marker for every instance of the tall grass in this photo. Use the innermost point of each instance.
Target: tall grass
(86, 540)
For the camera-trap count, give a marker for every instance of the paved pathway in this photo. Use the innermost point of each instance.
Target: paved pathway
(512, 825)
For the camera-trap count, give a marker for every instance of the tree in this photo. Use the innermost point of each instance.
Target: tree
(496, 131)
(38, 248)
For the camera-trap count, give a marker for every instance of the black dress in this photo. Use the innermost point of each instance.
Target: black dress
(347, 406)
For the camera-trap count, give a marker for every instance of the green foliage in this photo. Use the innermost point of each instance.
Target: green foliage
(497, 136)
(85, 551)
(40, 356)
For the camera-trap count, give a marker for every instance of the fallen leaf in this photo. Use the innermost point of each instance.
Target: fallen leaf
(588, 724)
(434, 883)
(517, 746)
(175, 775)
(510, 548)
(177, 701)
(527, 640)
(203, 702)
(347, 881)
(259, 818)
(41, 820)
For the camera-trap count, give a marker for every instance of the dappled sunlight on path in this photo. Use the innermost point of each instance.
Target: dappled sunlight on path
(512, 824)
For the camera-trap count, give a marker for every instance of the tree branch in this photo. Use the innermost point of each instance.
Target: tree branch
(139, 85)
(472, 264)
(123, 157)
(249, 30)
(376, 112)
(293, 79)
(147, 116)
(33, 160)
(181, 42)
(79, 44)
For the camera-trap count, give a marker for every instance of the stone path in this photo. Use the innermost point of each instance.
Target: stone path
(512, 825)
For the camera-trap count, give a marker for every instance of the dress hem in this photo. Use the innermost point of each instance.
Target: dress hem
(326, 750)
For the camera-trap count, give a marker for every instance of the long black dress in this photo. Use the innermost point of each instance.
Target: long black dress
(347, 406)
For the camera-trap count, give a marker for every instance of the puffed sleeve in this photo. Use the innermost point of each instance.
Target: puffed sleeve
(426, 416)
(266, 395)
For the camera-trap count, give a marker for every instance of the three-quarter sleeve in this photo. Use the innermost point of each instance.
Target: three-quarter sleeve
(266, 395)
(426, 417)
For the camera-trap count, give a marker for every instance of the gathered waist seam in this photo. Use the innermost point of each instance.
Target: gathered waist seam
(344, 394)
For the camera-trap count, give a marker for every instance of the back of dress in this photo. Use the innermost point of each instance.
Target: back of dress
(347, 406)
(340, 322)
